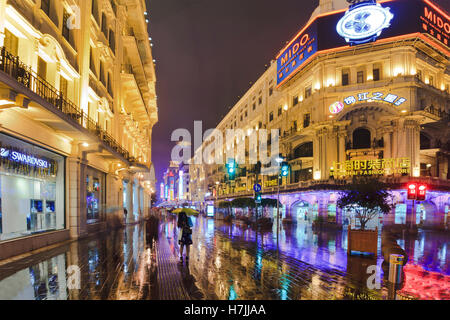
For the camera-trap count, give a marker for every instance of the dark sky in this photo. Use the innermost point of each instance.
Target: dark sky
(208, 51)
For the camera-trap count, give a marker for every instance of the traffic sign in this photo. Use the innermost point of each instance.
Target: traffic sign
(257, 187)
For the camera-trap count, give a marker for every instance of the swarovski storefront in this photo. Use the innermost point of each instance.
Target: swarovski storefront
(32, 189)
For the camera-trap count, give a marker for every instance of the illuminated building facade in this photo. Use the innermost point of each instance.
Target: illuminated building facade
(77, 107)
(371, 98)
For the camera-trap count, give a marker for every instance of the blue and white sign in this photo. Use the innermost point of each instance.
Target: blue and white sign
(364, 22)
(23, 158)
(374, 97)
(257, 187)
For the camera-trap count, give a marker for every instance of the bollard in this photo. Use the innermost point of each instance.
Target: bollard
(395, 268)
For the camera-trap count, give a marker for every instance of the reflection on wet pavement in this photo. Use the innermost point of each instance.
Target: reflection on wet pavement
(226, 262)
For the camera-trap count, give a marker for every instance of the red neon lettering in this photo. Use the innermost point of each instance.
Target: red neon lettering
(440, 23)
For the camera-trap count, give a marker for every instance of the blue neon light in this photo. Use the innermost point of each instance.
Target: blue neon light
(23, 158)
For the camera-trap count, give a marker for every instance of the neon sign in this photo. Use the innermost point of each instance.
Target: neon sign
(375, 96)
(371, 167)
(364, 22)
(23, 158)
(294, 56)
(436, 23)
(336, 107)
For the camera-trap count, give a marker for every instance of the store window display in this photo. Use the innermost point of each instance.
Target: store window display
(31, 189)
(95, 195)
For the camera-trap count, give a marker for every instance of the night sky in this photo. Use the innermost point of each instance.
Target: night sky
(208, 51)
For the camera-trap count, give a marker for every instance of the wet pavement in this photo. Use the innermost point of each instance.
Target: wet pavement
(226, 262)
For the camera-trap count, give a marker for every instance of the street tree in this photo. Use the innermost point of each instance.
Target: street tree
(367, 197)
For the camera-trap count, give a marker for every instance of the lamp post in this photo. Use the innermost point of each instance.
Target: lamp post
(283, 171)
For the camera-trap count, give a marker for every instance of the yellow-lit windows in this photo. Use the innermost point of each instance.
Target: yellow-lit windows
(11, 43)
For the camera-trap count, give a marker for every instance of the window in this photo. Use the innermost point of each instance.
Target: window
(65, 27)
(112, 41)
(109, 86)
(259, 125)
(241, 117)
(360, 77)
(104, 25)
(431, 81)
(42, 68)
(94, 10)
(254, 106)
(270, 91)
(304, 150)
(376, 74)
(102, 73)
(260, 100)
(280, 111)
(345, 79)
(295, 101)
(91, 62)
(28, 189)
(308, 92)
(245, 114)
(45, 6)
(361, 139)
(425, 142)
(63, 85)
(270, 116)
(306, 120)
(96, 195)
(11, 43)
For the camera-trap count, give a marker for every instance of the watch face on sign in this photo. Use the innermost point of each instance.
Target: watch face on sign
(364, 23)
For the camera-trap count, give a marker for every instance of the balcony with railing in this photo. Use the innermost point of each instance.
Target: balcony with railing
(23, 74)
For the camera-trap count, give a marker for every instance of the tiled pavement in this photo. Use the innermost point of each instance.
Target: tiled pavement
(170, 282)
(124, 264)
(226, 262)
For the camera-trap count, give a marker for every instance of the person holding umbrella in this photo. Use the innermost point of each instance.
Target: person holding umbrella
(185, 225)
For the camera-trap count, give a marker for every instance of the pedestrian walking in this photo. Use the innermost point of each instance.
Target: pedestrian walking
(185, 234)
(125, 214)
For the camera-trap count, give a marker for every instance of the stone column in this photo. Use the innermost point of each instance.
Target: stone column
(387, 142)
(341, 151)
(76, 184)
(412, 143)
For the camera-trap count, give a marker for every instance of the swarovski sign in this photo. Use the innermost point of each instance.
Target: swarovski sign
(364, 22)
(23, 158)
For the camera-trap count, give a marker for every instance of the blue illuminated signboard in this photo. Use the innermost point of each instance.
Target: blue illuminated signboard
(210, 211)
(300, 50)
(375, 96)
(23, 158)
(364, 22)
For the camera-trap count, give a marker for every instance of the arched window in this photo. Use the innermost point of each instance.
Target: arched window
(425, 142)
(304, 150)
(361, 139)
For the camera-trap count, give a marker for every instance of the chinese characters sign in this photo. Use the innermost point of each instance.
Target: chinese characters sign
(436, 23)
(375, 96)
(371, 167)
